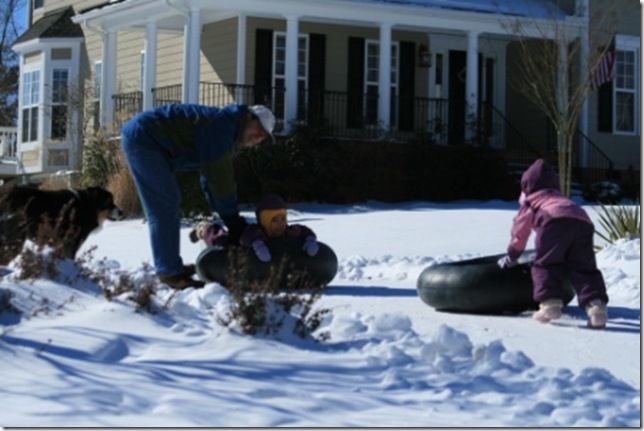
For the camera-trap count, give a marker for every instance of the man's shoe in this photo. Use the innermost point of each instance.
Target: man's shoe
(180, 281)
(189, 269)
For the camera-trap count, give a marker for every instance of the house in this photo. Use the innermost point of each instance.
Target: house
(439, 71)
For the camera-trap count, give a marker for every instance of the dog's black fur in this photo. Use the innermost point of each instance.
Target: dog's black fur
(62, 219)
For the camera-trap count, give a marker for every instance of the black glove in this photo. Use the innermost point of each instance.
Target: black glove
(236, 225)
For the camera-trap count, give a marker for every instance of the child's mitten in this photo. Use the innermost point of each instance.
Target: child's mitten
(261, 251)
(311, 246)
(507, 262)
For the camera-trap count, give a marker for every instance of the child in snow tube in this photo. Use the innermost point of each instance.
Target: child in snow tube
(271, 223)
(564, 242)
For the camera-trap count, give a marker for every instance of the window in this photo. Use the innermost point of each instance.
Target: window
(279, 74)
(59, 96)
(618, 99)
(625, 92)
(39, 4)
(30, 105)
(372, 77)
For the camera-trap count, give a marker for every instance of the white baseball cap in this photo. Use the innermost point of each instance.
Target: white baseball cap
(265, 117)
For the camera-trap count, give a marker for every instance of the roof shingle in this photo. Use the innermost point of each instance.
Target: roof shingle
(54, 24)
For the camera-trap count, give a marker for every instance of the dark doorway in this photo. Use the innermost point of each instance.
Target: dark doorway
(482, 129)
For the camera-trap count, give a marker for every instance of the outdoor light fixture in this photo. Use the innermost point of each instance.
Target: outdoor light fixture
(424, 56)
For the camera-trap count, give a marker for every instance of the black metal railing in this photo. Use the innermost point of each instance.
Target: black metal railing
(351, 115)
(427, 120)
(592, 164)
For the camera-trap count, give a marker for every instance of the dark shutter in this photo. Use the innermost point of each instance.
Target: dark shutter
(605, 107)
(355, 82)
(317, 73)
(263, 66)
(406, 86)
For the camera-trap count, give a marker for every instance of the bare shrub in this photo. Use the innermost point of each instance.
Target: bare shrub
(12, 224)
(268, 307)
(43, 258)
(122, 186)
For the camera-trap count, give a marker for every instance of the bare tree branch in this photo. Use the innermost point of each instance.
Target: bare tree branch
(551, 58)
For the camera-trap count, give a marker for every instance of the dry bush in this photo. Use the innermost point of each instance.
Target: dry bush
(42, 260)
(267, 307)
(122, 186)
(59, 181)
(11, 225)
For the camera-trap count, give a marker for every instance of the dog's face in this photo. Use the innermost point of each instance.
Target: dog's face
(105, 207)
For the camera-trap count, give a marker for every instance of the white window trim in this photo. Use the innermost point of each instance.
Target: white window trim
(395, 83)
(300, 78)
(28, 106)
(629, 43)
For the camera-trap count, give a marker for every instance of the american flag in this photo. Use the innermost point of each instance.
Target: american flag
(605, 72)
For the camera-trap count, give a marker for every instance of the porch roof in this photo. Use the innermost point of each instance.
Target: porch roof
(447, 16)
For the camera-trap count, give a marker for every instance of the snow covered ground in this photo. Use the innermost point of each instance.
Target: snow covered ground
(74, 359)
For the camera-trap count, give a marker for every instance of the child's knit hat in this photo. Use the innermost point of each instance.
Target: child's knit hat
(269, 206)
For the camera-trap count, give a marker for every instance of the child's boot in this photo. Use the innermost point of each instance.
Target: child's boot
(548, 310)
(597, 314)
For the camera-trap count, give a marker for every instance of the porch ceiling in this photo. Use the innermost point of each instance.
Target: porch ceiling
(414, 15)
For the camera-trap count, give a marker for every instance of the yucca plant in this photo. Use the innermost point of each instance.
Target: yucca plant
(619, 222)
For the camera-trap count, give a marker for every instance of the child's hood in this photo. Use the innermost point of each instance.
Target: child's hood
(540, 175)
(271, 203)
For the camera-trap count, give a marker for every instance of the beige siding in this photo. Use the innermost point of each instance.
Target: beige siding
(219, 52)
(169, 59)
(32, 58)
(30, 158)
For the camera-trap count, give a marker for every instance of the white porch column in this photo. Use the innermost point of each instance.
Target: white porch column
(191, 57)
(108, 80)
(290, 108)
(241, 58)
(150, 72)
(472, 81)
(384, 76)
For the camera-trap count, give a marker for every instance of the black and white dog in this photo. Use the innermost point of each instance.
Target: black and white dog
(62, 218)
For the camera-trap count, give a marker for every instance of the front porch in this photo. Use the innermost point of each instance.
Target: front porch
(428, 121)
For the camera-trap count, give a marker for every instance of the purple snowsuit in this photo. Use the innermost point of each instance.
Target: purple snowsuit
(564, 240)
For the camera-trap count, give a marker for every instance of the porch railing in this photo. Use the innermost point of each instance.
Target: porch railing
(597, 166)
(424, 120)
(351, 115)
(8, 142)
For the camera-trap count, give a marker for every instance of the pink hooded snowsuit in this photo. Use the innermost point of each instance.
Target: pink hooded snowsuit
(563, 242)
